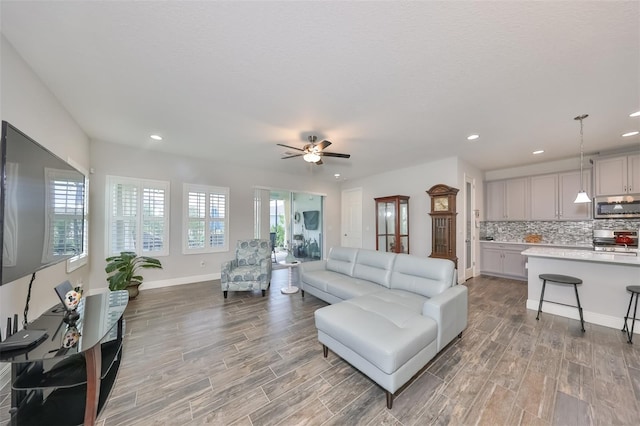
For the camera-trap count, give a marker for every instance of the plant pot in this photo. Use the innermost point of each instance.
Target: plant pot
(133, 290)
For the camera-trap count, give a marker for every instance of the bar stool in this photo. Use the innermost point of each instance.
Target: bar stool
(562, 279)
(635, 290)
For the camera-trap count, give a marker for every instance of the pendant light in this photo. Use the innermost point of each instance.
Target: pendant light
(582, 195)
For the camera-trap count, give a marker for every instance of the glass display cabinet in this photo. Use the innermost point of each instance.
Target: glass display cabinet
(392, 224)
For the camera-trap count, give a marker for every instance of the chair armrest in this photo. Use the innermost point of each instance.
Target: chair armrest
(265, 266)
(226, 269)
(449, 309)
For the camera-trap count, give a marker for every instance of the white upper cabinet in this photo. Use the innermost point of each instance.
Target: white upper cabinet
(544, 197)
(553, 195)
(568, 188)
(617, 175)
(507, 199)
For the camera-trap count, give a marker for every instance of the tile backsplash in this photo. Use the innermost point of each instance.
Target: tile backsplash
(554, 232)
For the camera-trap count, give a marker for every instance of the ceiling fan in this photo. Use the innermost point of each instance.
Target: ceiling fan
(313, 152)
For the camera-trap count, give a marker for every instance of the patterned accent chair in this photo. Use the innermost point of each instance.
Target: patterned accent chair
(250, 270)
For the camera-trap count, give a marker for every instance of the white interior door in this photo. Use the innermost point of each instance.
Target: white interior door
(351, 228)
(469, 227)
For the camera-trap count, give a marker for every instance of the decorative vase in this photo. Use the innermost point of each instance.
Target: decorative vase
(133, 290)
(290, 258)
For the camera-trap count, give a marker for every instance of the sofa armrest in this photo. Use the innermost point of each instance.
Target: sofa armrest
(449, 309)
(316, 265)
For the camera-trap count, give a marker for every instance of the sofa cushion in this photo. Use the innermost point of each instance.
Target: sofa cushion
(422, 275)
(321, 279)
(374, 266)
(348, 288)
(385, 334)
(342, 260)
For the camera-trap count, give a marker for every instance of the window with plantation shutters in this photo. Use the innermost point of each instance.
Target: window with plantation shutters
(206, 220)
(64, 220)
(138, 216)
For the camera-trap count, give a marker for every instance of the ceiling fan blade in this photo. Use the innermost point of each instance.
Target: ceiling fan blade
(322, 145)
(291, 156)
(335, 154)
(292, 147)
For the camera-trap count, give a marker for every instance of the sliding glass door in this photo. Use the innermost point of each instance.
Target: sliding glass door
(294, 222)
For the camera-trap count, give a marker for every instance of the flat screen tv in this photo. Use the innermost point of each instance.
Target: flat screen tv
(41, 207)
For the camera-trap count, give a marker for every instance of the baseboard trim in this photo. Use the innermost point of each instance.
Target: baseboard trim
(570, 312)
(148, 285)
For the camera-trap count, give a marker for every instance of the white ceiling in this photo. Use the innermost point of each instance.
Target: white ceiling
(393, 84)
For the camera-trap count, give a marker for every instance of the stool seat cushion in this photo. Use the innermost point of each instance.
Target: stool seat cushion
(633, 288)
(562, 279)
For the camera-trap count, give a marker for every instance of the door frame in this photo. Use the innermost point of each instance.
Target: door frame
(470, 223)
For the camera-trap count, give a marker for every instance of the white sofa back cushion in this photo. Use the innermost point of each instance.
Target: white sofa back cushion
(423, 275)
(374, 266)
(342, 260)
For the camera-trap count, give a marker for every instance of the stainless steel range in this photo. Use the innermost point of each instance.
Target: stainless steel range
(618, 241)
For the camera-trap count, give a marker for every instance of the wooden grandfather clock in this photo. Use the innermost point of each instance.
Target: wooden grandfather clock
(443, 222)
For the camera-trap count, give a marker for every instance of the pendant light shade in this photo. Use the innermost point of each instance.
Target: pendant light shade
(582, 197)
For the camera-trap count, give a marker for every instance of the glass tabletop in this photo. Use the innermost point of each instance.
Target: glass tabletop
(98, 316)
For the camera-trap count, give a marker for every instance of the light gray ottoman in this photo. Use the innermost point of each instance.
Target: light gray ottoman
(387, 342)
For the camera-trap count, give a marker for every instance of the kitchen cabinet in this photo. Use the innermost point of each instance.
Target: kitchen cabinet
(617, 175)
(553, 196)
(503, 260)
(507, 199)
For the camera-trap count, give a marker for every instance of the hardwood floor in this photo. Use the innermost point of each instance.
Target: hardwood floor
(192, 357)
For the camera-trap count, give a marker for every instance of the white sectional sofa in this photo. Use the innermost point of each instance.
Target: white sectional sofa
(390, 313)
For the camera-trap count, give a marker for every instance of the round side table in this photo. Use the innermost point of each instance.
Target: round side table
(290, 289)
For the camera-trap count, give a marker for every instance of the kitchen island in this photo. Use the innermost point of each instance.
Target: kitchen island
(604, 276)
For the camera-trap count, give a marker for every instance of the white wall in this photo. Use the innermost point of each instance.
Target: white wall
(414, 182)
(29, 105)
(120, 160)
(568, 164)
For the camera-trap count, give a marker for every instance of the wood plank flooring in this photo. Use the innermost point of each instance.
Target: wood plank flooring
(192, 357)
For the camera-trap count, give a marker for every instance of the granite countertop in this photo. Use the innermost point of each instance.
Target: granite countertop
(543, 244)
(582, 255)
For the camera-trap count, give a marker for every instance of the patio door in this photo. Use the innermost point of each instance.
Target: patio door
(293, 219)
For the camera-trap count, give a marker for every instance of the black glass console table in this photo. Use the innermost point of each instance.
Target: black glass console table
(66, 379)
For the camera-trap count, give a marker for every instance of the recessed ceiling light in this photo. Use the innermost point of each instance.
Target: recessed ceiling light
(540, 151)
(473, 137)
(156, 137)
(337, 175)
(626, 135)
(635, 114)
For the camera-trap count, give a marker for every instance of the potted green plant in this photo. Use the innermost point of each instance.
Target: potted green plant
(123, 269)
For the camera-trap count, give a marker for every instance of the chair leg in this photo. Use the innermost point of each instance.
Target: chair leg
(389, 400)
(633, 324)
(264, 292)
(575, 287)
(325, 351)
(302, 292)
(625, 328)
(225, 293)
(544, 283)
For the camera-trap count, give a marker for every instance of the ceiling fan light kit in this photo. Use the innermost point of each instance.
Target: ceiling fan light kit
(311, 157)
(313, 152)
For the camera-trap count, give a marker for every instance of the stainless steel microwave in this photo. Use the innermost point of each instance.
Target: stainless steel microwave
(617, 207)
